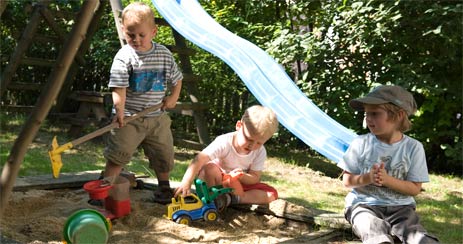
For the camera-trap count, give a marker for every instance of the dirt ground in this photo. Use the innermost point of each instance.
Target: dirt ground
(38, 216)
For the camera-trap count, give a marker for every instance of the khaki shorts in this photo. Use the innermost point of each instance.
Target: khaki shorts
(153, 134)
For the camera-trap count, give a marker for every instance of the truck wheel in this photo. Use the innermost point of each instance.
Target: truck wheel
(210, 215)
(184, 220)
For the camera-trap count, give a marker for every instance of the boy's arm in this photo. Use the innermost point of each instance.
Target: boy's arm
(352, 180)
(119, 95)
(403, 186)
(171, 100)
(191, 173)
(251, 177)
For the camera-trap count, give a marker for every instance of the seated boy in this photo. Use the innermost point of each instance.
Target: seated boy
(240, 152)
(385, 169)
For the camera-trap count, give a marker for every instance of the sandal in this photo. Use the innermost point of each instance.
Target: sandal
(163, 195)
(222, 201)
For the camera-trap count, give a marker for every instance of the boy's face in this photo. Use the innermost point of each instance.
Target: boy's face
(139, 35)
(378, 121)
(244, 142)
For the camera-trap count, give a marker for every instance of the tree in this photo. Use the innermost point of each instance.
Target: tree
(355, 46)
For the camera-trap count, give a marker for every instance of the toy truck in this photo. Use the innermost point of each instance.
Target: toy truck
(184, 210)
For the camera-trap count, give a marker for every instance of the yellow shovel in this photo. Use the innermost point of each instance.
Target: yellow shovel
(55, 152)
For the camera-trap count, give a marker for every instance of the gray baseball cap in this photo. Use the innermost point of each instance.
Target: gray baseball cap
(387, 94)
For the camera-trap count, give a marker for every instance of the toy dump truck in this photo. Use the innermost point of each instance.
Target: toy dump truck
(184, 210)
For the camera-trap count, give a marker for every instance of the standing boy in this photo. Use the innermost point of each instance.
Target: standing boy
(141, 73)
(239, 152)
(385, 169)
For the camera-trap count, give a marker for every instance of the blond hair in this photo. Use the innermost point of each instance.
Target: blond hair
(260, 121)
(138, 12)
(393, 112)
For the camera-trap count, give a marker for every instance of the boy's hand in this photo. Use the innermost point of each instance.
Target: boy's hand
(236, 173)
(372, 175)
(119, 118)
(381, 176)
(183, 189)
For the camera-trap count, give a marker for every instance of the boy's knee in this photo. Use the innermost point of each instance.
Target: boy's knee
(271, 197)
(117, 157)
(419, 236)
(211, 168)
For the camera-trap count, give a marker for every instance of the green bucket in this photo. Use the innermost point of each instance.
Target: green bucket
(86, 226)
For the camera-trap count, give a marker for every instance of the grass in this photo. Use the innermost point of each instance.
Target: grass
(300, 178)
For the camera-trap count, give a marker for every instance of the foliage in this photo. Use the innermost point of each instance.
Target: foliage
(334, 50)
(351, 47)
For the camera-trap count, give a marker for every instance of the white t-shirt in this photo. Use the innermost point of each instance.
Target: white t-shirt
(222, 152)
(403, 160)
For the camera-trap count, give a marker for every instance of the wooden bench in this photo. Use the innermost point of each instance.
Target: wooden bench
(91, 110)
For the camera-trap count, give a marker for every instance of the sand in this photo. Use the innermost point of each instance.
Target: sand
(38, 216)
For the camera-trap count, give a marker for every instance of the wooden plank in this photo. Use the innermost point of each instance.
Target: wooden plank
(17, 108)
(47, 182)
(188, 108)
(332, 220)
(81, 97)
(38, 62)
(72, 180)
(321, 236)
(25, 86)
(189, 144)
(283, 209)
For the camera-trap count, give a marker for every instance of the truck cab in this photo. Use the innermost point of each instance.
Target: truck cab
(184, 210)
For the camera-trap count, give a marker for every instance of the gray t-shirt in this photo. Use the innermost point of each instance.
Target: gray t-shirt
(146, 75)
(403, 160)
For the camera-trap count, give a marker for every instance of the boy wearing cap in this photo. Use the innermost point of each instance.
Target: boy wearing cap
(385, 169)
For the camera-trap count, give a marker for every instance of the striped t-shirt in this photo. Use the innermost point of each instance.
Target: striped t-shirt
(146, 75)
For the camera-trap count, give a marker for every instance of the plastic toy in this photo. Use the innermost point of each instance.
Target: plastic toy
(115, 196)
(208, 194)
(184, 210)
(189, 208)
(86, 226)
(232, 180)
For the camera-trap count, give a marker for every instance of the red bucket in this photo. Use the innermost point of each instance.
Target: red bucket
(97, 189)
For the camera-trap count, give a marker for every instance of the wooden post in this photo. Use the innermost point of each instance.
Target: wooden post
(201, 125)
(3, 7)
(116, 6)
(45, 101)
